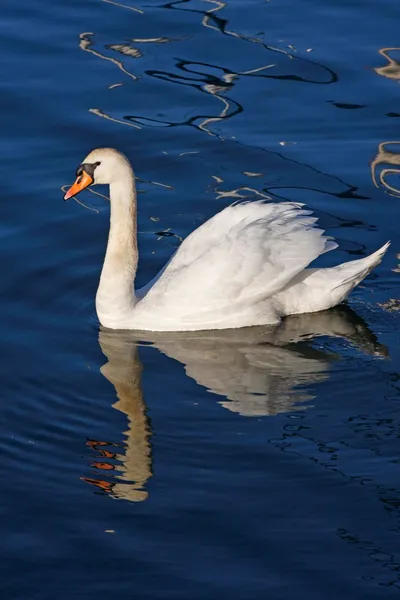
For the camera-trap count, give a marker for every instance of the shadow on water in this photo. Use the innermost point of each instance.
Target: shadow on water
(259, 371)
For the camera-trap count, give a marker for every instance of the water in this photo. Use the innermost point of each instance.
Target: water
(249, 464)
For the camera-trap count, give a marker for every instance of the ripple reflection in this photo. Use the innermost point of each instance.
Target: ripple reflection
(388, 157)
(218, 24)
(86, 44)
(392, 69)
(284, 64)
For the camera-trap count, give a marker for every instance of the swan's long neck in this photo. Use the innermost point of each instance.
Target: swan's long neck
(115, 299)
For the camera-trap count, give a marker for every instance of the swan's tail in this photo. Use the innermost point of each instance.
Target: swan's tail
(347, 275)
(319, 289)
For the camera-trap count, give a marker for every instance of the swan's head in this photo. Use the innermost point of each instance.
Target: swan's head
(103, 165)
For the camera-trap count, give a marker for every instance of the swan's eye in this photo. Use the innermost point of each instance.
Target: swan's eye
(87, 168)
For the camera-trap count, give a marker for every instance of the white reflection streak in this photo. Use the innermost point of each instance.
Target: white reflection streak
(125, 6)
(221, 116)
(235, 193)
(257, 70)
(163, 185)
(86, 43)
(65, 188)
(100, 113)
(158, 40)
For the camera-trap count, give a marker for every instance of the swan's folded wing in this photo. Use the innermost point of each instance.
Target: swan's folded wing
(244, 255)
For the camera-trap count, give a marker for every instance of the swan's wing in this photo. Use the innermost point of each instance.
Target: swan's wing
(206, 236)
(243, 255)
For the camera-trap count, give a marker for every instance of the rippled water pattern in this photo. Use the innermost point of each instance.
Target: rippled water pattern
(261, 463)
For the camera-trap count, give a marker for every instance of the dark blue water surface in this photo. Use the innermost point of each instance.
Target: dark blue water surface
(261, 463)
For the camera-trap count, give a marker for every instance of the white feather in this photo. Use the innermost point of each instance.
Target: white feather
(226, 273)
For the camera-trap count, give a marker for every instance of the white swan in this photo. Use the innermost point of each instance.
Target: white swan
(245, 266)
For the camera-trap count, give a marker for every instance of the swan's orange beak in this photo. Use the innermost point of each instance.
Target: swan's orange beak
(82, 182)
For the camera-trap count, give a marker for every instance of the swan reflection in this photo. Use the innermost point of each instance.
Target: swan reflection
(257, 371)
(387, 156)
(132, 459)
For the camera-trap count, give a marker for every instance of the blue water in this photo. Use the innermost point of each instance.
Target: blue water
(249, 464)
